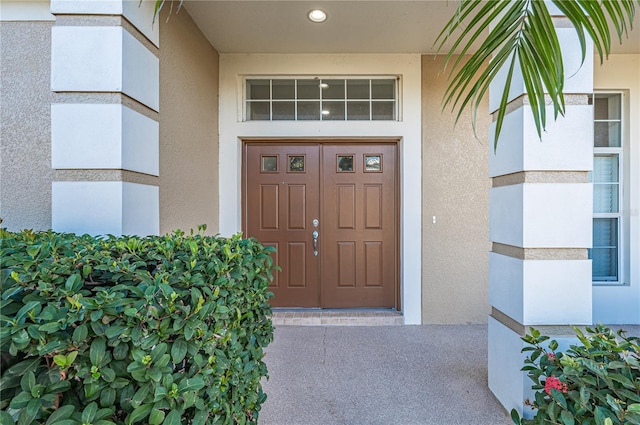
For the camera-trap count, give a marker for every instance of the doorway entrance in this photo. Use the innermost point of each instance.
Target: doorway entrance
(331, 211)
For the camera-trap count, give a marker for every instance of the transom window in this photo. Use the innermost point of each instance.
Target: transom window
(316, 99)
(608, 195)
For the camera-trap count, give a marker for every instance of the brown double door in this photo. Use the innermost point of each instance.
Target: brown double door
(330, 210)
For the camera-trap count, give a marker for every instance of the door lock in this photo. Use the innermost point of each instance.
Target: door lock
(315, 243)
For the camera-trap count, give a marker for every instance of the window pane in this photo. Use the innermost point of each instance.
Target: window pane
(332, 89)
(257, 89)
(358, 110)
(345, 163)
(605, 232)
(373, 163)
(383, 89)
(604, 254)
(309, 111)
(605, 198)
(284, 110)
(332, 110)
(605, 168)
(283, 89)
(296, 163)
(605, 184)
(382, 110)
(607, 114)
(606, 106)
(604, 264)
(606, 134)
(308, 89)
(269, 163)
(258, 111)
(358, 89)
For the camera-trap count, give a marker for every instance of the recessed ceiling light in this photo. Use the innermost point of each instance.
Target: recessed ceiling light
(317, 15)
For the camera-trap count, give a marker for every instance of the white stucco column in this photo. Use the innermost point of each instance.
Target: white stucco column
(540, 223)
(104, 121)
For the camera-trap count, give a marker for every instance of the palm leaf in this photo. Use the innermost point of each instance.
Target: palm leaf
(521, 37)
(160, 4)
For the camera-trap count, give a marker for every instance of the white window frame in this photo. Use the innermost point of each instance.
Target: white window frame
(623, 195)
(396, 100)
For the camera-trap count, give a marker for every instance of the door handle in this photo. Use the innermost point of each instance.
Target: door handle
(315, 243)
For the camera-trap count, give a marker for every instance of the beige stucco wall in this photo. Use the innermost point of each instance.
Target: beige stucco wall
(455, 189)
(188, 126)
(25, 133)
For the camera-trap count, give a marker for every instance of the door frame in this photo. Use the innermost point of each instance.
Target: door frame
(321, 141)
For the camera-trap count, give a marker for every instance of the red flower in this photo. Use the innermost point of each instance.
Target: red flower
(553, 383)
(551, 356)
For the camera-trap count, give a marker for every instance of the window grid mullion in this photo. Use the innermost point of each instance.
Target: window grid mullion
(270, 100)
(295, 99)
(346, 101)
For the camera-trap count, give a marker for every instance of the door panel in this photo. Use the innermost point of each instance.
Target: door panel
(351, 189)
(358, 249)
(282, 198)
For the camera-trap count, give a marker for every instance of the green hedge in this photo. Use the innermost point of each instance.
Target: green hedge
(121, 330)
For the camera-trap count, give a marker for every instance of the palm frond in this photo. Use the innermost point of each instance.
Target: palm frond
(593, 18)
(160, 4)
(521, 38)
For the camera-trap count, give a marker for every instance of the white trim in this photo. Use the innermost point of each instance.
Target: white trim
(140, 72)
(566, 143)
(233, 68)
(103, 136)
(110, 207)
(549, 215)
(139, 13)
(86, 136)
(103, 59)
(86, 59)
(86, 7)
(16, 11)
(87, 207)
(140, 209)
(521, 289)
(623, 186)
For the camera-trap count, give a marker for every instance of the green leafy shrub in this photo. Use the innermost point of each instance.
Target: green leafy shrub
(120, 330)
(594, 383)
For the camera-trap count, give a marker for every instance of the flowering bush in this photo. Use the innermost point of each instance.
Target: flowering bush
(553, 383)
(594, 383)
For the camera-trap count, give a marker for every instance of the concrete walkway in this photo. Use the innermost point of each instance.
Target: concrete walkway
(379, 375)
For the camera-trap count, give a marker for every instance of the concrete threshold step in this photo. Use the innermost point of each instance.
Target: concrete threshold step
(351, 317)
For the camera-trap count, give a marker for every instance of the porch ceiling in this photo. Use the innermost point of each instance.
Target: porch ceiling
(354, 26)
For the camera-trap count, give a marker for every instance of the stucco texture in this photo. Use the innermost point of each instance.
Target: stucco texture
(25, 133)
(188, 126)
(455, 189)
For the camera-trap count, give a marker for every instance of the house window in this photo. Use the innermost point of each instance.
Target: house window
(316, 99)
(608, 194)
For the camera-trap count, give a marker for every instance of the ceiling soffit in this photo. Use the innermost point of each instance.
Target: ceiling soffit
(359, 26)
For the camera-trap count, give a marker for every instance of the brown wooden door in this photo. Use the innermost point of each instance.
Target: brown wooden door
(282, 198)
(359, 225)
(351, 190)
